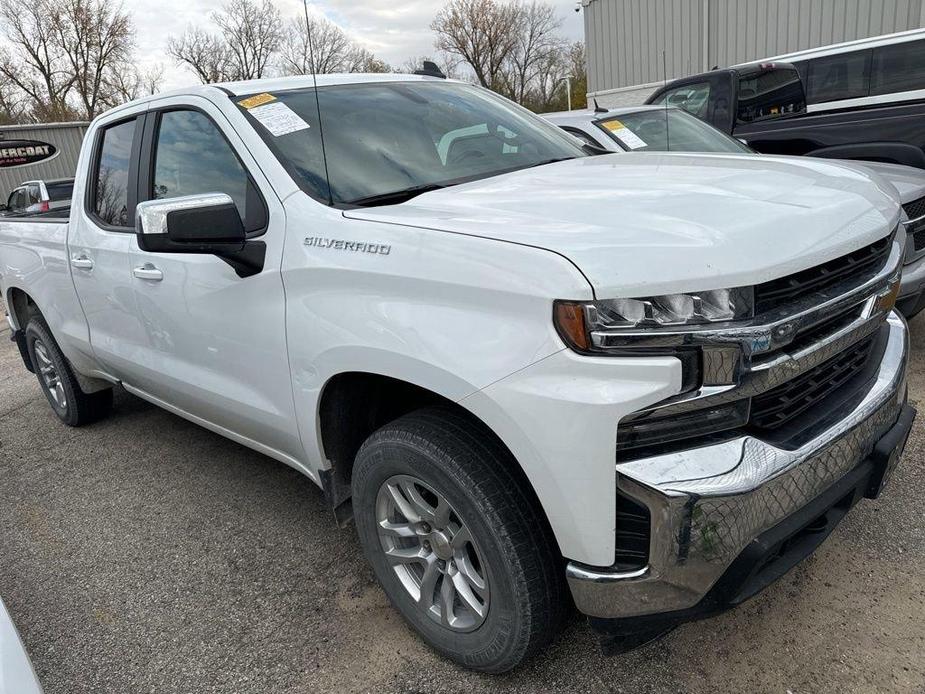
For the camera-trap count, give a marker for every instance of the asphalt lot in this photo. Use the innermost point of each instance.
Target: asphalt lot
(144, 554)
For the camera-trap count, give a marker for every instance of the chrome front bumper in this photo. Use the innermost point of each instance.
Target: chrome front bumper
(707, 504)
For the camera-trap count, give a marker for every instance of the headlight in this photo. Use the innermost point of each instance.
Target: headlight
(585, 326)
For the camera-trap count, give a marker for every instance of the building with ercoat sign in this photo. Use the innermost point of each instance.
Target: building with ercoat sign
(33, 152)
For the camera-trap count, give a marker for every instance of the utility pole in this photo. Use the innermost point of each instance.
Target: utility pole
(568, 89)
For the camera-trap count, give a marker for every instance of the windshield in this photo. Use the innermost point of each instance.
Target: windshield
(384, 138)
(668, 130)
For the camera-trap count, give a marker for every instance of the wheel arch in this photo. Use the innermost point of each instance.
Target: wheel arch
(354, 404)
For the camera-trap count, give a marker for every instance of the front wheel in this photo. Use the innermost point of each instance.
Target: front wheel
(57, 379)
(457, 543)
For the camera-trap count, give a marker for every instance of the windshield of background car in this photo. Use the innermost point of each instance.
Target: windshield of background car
(385, 137)
(668, 130)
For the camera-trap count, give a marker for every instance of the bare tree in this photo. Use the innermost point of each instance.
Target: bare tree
(14, 106)
(133, 83)
(449, 64)
(537, 43)
(363, 60)
(330, 45)
(334, 50)
(204, 53)
(97, 38)
(251, 33)
(32, 59)
(484, 33)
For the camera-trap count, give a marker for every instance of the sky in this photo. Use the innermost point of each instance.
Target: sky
(394, 30)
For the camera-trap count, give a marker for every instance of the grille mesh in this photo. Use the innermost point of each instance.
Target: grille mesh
(857, 265)
(915, 209)
(785, 403)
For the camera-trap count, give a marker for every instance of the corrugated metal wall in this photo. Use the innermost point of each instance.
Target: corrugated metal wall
(625, 38)
(67, 137)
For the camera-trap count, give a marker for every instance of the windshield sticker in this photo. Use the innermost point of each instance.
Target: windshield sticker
(258, 100)
(624, 134)
(278, 118)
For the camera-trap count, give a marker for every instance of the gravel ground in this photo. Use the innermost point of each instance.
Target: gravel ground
(144, 554)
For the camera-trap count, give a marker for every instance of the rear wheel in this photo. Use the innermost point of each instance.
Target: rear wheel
(58, 382)
(460, 547)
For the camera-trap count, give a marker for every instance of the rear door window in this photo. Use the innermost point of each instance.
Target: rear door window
(834, 77)
(898, 68)
(111, 184)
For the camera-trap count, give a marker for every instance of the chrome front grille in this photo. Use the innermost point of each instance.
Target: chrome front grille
(915, 209)
(782, 405)
(915, 227)
(857, 265)
(777, 376)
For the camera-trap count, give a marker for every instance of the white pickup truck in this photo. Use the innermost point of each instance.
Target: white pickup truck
(648, 384)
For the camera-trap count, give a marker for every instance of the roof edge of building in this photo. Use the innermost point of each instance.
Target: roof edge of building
(44, 126)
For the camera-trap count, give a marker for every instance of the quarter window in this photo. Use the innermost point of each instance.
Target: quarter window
(112, 174)
(898, 68)
(834, 77)
(193, 157)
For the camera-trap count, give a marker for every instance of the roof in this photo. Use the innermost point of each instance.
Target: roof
(842, 47)
(278, 84)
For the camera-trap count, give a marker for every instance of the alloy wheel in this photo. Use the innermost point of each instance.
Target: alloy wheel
(432, 552)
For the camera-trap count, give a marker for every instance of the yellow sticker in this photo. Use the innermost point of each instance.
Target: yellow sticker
(258, 100)
(613, 125)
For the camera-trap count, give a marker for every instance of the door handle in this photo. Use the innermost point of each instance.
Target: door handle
(82, 261)
(148, 272)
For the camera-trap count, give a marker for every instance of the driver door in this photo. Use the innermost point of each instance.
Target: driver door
(214, 344)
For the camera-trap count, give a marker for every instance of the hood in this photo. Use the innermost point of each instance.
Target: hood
(646, 223)
(908, 181)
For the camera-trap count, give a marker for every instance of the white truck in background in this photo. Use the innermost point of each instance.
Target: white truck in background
(645, 384)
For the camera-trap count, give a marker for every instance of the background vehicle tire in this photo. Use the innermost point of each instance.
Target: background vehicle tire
(444, 520)
(73, 407)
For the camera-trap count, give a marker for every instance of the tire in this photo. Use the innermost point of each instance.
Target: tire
(436, 454)
(56, 378)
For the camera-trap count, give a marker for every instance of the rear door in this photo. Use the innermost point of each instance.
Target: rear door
(99, 240)
(214, 343)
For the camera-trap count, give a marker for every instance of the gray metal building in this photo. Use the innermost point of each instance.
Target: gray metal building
(625, 39)
(66, 138)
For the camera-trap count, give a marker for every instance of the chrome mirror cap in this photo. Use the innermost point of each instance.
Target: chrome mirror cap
(151, 216)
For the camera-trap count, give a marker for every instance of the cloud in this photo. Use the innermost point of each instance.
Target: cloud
(394, 30)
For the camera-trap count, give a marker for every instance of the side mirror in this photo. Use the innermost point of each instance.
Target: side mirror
(207, 223)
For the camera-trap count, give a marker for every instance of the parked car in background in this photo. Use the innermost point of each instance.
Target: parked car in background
(765, 105)
(855, 74)
(653, 382)
(40, 198)
(17, 676)
(661, 129)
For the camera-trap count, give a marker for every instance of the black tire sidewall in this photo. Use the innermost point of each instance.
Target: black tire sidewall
(36, 330)
(498, 637)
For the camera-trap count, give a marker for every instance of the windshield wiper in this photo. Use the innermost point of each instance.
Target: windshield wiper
(396, 196)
